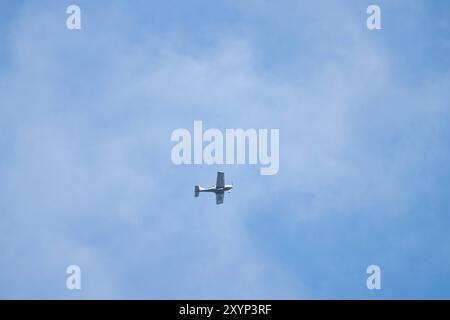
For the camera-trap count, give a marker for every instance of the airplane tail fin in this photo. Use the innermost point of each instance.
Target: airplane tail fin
(197, 190)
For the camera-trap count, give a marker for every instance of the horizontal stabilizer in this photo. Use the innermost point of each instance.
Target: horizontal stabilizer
(197, 190)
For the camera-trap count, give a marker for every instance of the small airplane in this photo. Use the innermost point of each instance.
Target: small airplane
(219, 188)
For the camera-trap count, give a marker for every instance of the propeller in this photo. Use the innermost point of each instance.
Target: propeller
(232, 186)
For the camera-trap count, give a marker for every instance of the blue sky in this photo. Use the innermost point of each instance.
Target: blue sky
(85, 170)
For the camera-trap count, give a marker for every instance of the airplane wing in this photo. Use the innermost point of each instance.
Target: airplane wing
(219, 197)
(220, 183)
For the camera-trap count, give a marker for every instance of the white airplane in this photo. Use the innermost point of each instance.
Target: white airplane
(219, 188)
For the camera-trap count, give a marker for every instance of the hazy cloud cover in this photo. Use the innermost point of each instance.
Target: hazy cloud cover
(86, 176)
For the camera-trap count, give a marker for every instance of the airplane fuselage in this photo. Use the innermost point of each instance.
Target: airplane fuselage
(225, 188)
